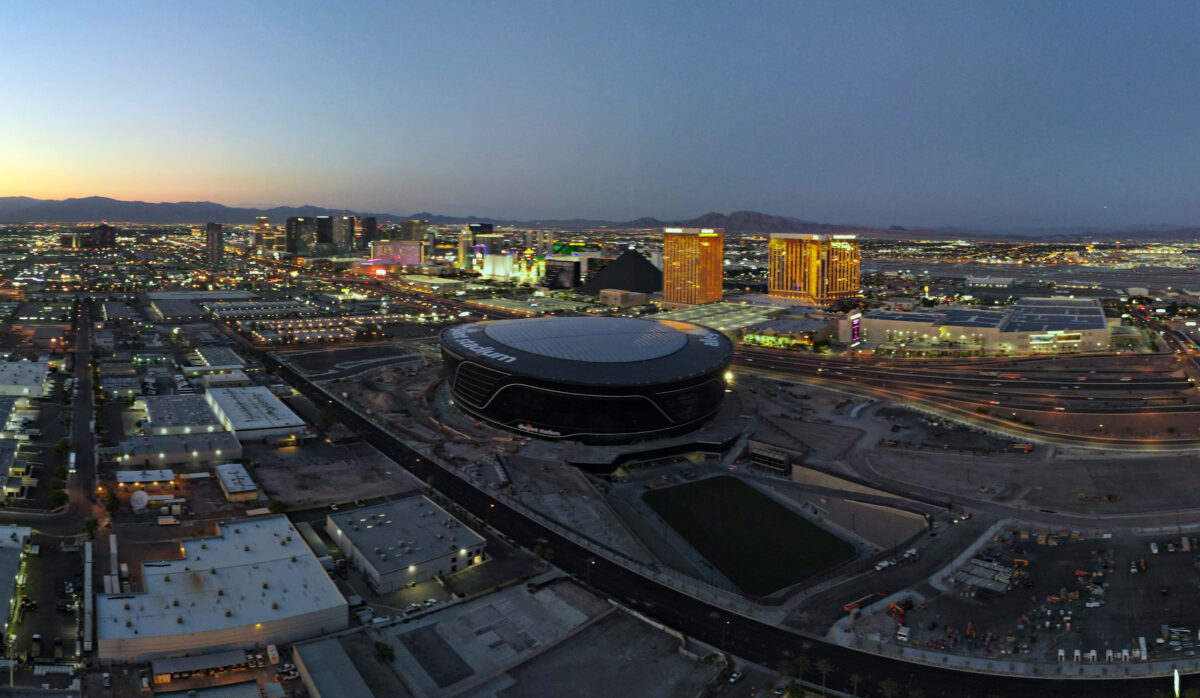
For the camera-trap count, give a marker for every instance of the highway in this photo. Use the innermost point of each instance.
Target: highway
(742, 636)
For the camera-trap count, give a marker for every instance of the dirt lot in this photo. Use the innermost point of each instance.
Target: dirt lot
(319, 473)
(912, 429)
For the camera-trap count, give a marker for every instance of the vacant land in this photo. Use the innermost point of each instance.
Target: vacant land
(760, 545)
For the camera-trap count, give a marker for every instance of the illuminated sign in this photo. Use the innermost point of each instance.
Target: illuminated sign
(855, 329)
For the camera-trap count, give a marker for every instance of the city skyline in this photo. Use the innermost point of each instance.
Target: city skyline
(933, 115)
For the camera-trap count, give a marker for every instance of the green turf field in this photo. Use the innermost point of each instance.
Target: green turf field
(760, 545)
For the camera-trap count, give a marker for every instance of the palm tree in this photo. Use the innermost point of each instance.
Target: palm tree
(824, 668)
(855, 681)
(784, 667)
(889, 688)
(799, 666)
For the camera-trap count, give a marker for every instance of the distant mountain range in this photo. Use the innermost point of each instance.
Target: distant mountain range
(92, 209)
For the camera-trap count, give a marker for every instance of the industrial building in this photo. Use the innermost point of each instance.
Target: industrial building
(145, 479)
(593, 379)
(174, 449)
(254, 583)
(397, 544)
(327, 671)
(233, 379)
(176, 414)
(815, 269)
(236, 483)
(24, 378)
(214, 360)
(254, 414)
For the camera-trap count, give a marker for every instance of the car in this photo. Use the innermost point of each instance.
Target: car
(430, 603)
(1170, 547)
(333, 507)
(1094, 604)
(1133, 568)
(736, 676)
(106, 679)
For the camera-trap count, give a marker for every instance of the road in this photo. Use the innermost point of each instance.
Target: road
(742, 636)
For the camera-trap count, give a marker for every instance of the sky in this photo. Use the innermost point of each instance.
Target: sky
(988, 115)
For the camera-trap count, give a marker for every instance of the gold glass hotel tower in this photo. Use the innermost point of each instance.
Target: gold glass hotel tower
(818, 269)
(693, 265)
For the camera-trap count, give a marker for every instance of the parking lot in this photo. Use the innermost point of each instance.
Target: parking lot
(1074, 594)
(44, 606)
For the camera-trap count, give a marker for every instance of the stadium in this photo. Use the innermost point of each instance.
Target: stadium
(588, 379)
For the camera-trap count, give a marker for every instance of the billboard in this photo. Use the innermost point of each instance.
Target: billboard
(562, 273)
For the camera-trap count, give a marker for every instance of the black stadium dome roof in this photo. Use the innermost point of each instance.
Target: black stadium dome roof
(592, 379)
(592, 350)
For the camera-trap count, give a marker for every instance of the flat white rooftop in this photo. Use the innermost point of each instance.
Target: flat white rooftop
(24, 374)
(405, 532)
(235, 478)
(252, 407)
(219, 356)
(179, 411)
(258, 570)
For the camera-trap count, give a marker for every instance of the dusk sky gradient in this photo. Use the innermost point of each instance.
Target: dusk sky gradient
(1000, 114)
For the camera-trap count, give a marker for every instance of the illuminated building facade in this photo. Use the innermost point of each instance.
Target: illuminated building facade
(214, 244)
(693, 265)
(816, 269)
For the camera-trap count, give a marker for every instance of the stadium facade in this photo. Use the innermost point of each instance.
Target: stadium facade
(588, 379)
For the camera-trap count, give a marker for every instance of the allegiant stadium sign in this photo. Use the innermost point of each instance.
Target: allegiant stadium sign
(480, 349)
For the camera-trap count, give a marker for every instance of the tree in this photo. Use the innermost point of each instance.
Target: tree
(800, 665)
(90, 525)
(62, 447)
(110, 502)
(326, 419)
(824, 668)
(889, 688)
(58, 498)
(855, 681)
(386, 651)
(785, 667)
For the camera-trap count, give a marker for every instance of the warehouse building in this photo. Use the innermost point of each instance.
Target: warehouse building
(24, 378)
(400, 543)
(236, 483)
(254, 414)
(173, 449)
(233, 379)
(255, 583)
(327, 671)
(176, 414)
(207, 360)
